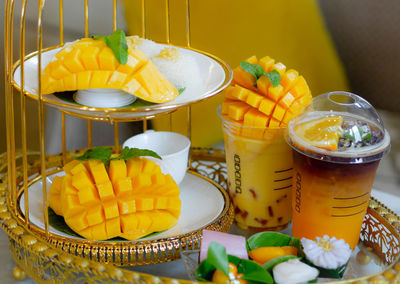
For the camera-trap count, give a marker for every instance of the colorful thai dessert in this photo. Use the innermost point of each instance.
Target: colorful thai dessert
(134, 65)
(274, 258)
(259, 104)
(103, 197)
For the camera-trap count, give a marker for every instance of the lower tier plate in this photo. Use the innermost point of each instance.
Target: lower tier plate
(205, 205)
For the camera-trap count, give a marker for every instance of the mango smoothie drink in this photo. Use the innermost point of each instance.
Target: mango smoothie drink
(257, 107)
(259, 177)
(337, 148)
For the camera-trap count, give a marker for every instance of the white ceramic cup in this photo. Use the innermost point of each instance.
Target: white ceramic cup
(172, 147)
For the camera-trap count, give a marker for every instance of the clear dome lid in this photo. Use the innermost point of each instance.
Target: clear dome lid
(359, 118)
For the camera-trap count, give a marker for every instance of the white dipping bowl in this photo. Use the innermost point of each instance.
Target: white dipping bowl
(172, 147)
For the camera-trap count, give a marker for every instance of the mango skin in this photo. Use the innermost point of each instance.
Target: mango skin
(127, 199)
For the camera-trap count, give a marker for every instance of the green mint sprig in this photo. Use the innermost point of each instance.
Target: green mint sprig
(257, 71)
(117, 43)
(104, 154)
(99, 153)
(357, 134)
(181, 90)
(128, 153)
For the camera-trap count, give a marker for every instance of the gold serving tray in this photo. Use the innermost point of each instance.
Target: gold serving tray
(44, 262)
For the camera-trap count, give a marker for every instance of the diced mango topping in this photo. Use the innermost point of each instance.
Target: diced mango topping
(255, 102)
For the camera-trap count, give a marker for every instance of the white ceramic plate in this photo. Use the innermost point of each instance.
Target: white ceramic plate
(215, 75)
(202, 203)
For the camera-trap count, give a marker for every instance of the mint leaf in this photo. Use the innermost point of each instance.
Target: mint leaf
(367, 137)
(180, 90)
(349, 136)
(360, 130)
(274, 77)
(256, 70)
(117, 43)
(128, 153)
(99, 153)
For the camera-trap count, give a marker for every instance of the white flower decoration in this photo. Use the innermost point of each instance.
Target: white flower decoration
(325, 252)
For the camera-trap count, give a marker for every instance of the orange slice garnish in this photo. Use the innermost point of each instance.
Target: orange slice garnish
(323, 132)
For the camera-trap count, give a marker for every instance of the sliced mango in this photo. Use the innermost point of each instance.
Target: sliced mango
(91, 64)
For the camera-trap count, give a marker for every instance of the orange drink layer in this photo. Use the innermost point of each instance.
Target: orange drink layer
(259, 177)
(338, 143)
(330, 198)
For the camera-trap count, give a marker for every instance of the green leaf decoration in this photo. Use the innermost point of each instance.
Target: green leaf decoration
(267, 239)
(205, 271)
(117, 43)
(104, 154)
(252, 272)
(329, 273)
(274, 78)
(217, 257)
(99, 153)
(367, 137)
(181, 90)
(269, 265)
(254, 69)
(295, 242)
(128, 153)
(58, 223)
(349, 136)
(257, 71)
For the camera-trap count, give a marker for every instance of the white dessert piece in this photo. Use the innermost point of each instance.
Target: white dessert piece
(294, 271)
(326, 252)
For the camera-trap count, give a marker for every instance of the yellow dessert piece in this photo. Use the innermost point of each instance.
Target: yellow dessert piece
(91, 64)
(129, 199)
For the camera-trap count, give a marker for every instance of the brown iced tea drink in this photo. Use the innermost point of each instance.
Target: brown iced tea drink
(336, 155)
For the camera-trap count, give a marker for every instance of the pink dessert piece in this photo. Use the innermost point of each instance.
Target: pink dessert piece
(235, 245)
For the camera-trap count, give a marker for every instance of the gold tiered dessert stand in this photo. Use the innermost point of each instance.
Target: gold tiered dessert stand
(49, 258)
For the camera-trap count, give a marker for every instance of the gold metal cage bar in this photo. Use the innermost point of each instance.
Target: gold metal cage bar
(47, 258)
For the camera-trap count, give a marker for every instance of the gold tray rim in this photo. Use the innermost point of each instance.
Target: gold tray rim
(89, 248)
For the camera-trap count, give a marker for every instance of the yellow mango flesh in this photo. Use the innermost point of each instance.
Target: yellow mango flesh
(256, 103)
(128, 199)
(91, 64)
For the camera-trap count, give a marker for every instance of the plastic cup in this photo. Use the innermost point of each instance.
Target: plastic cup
(331, 189)
(259, 165)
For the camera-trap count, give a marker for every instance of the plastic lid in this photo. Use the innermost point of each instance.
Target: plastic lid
(352, 108)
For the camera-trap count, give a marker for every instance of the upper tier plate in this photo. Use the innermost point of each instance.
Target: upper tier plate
(215, 75)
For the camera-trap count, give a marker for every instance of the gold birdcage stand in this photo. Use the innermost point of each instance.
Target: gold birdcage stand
(48, 258)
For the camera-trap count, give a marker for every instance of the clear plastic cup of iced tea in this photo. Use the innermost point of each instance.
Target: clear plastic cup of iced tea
(338, 143)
